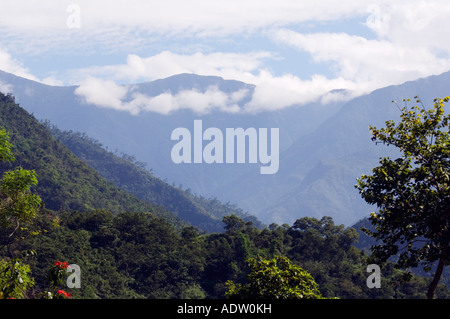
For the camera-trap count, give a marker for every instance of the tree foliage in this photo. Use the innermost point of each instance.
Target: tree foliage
(137, 255)
(18, 204)
(412, 191)
(277, 278)
(15, 279)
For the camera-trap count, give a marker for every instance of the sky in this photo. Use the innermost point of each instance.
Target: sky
(293, 51)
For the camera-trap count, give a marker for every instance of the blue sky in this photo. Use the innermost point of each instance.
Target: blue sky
(293, 51)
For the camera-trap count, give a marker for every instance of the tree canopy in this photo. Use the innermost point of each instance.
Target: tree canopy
(412, 191)
(277, 278)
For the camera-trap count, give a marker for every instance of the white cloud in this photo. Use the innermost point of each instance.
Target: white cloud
(277, 92)
(271, 92)
(39, 27)
(415, 23)
(369, 64)
(166, 63)
(406, 47)
(194, 100)
(11, 65)
(173, 16)
(103, 93)
(408, 41)
(124, 98)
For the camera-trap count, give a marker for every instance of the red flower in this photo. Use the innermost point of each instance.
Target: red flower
(62, 292)
(61, 265)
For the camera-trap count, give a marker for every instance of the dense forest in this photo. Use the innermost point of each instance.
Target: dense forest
(138, 245)
(137, 255)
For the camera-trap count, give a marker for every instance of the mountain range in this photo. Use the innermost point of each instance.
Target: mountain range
(323, 148)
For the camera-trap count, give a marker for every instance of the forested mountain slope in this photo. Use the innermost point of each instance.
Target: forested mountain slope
(130, 175)
(65, 183)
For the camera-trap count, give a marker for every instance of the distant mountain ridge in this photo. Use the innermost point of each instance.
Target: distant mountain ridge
(323, 148)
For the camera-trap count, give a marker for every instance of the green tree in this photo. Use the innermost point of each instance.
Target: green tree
(412, 191)
(277, 278)
(18, 205)
(327, 252)
(233, 223)
(15, 279)
(5, 147)
(321, 239)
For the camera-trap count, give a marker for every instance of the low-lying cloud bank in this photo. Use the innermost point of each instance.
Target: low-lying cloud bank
(272, 94)
(125, 98)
